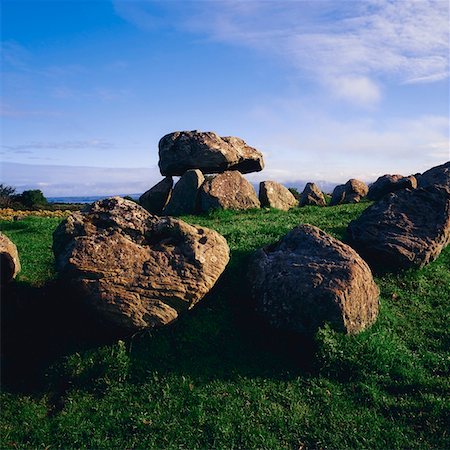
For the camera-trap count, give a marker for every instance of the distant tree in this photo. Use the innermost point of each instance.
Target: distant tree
(7, 195)
(32, 198)
(295, 193)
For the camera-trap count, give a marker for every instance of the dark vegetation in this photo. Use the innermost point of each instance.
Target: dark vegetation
(218, 378)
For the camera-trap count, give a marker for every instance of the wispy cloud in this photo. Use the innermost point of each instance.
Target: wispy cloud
(93, 144)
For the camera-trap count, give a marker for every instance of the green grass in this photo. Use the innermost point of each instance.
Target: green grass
(217, 378)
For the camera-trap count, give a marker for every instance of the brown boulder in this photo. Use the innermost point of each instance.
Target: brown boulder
(390, 183)
(208, 152)
(229, 190)
(9, 260)
(156, 198)
(309, 278)
(275, 195)
(135, 269)
(408, 228)
(185, 198)
(436, 176)
(351, 192)
(312, 195)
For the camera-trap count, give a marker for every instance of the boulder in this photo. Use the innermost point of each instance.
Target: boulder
(208, 152)
(9, 260)
(309, 278)
(436, 176)
(351, 192)
(156, 198)
(312, 195)
(390, 183)
(135, 269)
(229, 190)
(275, 195)
(185, 198)
(408, 228)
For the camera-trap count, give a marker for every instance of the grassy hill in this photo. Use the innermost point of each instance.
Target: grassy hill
(218, 378)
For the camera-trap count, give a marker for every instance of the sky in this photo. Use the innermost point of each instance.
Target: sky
(327, 90)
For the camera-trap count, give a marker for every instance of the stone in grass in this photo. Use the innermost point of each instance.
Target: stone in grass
(185, 198)
(351, 192)
(275, 195)
(309, 278)
(405, 229)
(312, 195)
(9, 260)
(156, 198)
(390, 183)
(135, 269)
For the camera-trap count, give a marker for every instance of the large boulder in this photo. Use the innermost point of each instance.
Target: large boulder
(275, 195)
(185, 198)
(309, 278)
(390, 183)
(312, 195)
(208, 152)
(436, 176)
(9, 260)
(136, 269)
(229, 190)
(156, 198)
(408, 228)
(351, 192)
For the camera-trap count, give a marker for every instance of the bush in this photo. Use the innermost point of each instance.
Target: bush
(32, 198)
(7, 195)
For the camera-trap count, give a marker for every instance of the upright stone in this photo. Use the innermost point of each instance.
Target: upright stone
(229, 190)
(9, 260)
(390, 183)
(351, 192)
(185, 195)
(309, 278)
(208, 152)
(275, 195)
(156, 198)
(312, 195)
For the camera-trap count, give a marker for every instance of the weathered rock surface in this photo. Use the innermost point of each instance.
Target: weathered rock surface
(156, 198)
(312, 195)
(390, 183)
(136, 269)
(185, 194)
(9, 260)
(208, 152)
(229, 190)
(275, 195)
(408, 228)
(309, 278)
(351, 192)
(436, 176)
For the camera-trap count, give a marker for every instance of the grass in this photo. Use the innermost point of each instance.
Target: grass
(217, 378)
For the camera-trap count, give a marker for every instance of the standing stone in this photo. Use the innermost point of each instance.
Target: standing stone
(309, 278)
(156, 198)
(436, 176)
(9, 260)
(229, 190)
(185, 198)
(275, 195)
(135, 269)
(312, 195)
(208, 152)
(408, 228)
(351, 192)
(390, 183)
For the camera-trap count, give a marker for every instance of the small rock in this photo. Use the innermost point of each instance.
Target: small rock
(309, 278)
(351, 192)
(312, 195)
(156, 198)
(229, 190)
(275, 195)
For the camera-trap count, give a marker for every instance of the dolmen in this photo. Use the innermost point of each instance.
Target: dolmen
(135, 269)
(9, 260)
(193, 154)
(308, 279)
(408, 228)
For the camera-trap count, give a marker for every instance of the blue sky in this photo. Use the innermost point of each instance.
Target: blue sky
(327, 90)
